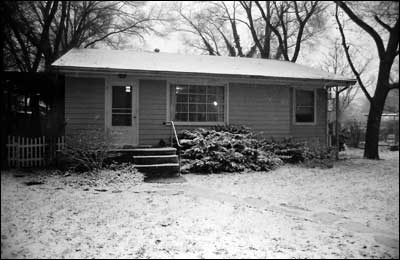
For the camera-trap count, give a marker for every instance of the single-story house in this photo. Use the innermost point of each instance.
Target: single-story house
(130, 95)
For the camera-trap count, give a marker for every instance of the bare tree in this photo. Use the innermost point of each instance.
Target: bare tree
(38, 32)
(386, 16)
(216, 28)
(335, 62)
(277, 28)
(292, 22)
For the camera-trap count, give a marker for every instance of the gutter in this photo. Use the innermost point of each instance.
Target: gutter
(65, 69)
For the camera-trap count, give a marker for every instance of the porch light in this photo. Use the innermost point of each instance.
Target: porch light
(215, 103)
(128, 89)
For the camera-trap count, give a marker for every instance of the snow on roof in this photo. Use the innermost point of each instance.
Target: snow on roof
(91, 59)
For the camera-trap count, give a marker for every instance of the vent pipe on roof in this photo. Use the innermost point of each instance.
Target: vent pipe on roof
(156, 50)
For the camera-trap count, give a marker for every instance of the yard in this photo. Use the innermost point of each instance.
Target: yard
(348, 211)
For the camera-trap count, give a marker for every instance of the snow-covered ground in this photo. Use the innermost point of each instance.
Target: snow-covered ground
(349, 211)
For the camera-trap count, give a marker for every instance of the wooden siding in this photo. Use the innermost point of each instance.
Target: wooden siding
(153, 113)
(84, 104)
(264, 108)
(311, 133)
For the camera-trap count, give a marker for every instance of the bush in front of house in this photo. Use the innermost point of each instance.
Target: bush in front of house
(291, 151)
(211, 151)
(237, 149)
(84, 151)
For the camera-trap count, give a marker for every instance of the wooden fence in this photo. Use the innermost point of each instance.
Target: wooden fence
(32, 151)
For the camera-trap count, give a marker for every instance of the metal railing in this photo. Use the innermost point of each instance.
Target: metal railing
(179, 146)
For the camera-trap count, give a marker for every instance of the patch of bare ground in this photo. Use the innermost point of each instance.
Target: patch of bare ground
(348, 211)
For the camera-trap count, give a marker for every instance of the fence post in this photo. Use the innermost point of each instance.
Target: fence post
(43, 155)
(17, 152)
(8, 151)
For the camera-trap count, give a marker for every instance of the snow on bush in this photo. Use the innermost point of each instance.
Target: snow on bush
(237, 149)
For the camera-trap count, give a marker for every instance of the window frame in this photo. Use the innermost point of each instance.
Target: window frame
(295, 106)
(202, 82)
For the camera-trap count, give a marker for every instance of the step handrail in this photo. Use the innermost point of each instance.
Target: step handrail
(177, 143)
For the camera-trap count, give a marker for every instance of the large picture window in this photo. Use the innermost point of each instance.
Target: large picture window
(198, 103)
(305, 106)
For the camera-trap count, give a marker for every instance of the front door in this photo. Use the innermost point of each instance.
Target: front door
(121, 114)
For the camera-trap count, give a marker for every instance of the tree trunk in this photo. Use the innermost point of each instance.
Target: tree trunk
(374, 122)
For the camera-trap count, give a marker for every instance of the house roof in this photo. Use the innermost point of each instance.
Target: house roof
(115, 60)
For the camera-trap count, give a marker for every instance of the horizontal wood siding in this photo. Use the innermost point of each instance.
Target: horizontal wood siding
(312, 133)
(84, 104)
(152, 112)
(263, 108)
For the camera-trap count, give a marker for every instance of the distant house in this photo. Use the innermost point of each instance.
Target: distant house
(132, 94)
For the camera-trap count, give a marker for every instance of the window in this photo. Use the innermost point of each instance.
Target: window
(194, 103)
(121, 106)
(305, 106)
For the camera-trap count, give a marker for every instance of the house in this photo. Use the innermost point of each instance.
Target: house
(131, 95)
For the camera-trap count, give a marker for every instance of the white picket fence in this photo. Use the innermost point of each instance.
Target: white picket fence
(32, 151)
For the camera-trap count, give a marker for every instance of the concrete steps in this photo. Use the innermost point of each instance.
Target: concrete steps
(152, 162)
(156, 162)
(126, 155)
(155, 159)
(151, 171)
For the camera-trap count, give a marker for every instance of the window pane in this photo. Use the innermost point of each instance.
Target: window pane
(182, 98)
(212, 117)
(212, 108)
(181, 116)
(197, 98)
(304, 114)
(121, 110)
(201, 108)
(305, 106)
(197, 90)
(196, 108)
(121, 98)
(192, 108)
(211, 99)
(121, 120)
(197, 117)
(212, 90)
(181, 89)
(181, 108)
(304, 98)
(220, 91)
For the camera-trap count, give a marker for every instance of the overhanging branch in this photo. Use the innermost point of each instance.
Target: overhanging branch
(384, 25)
(365, 27)
(394, 85)
(346, 50)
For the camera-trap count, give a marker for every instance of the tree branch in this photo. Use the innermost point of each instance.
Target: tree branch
(384, 25)
(302, 24)
(135, 25)
(346, 50)
(247, 8)
(394, 85)
(365, 27)
(280, 50)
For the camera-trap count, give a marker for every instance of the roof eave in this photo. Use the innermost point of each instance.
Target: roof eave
(75, 69)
